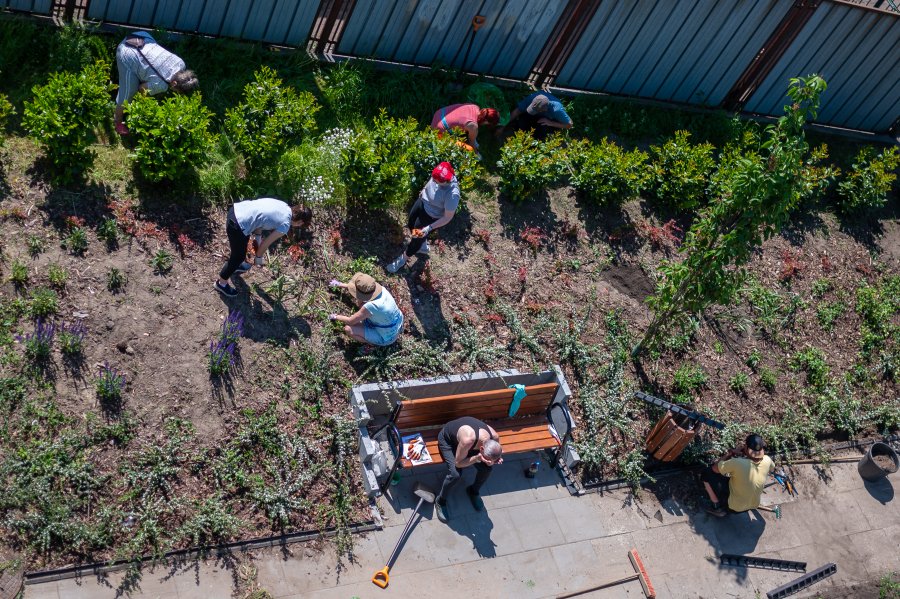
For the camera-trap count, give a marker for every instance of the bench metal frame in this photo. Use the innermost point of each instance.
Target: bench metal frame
(557, 413)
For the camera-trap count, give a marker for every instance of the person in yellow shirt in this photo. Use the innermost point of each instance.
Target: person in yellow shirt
(736, 481)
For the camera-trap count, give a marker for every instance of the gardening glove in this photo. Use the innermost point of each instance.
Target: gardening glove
(518, 396)
(425, 230)
(258, 261)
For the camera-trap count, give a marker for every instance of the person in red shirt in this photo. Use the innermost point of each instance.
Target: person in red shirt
(467, 117)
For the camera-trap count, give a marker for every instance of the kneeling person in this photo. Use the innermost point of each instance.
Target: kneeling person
(736, 482)
(378, 321)
(466, 442)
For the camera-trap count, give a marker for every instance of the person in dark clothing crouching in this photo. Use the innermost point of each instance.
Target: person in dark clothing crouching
(466, 442)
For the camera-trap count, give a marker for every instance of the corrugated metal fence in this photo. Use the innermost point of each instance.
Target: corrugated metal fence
(733, 53)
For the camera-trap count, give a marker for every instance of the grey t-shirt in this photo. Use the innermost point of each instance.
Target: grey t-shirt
(266, 214)
(438, 200)
(134, 67)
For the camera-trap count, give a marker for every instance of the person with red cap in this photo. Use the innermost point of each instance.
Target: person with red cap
(435, 207)
(466, 117)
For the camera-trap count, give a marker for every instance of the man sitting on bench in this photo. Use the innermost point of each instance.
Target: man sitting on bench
(466, 442)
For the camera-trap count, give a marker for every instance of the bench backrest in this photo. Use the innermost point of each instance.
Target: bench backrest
(484, 405)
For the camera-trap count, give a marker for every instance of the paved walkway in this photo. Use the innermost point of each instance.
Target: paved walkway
(537, 541)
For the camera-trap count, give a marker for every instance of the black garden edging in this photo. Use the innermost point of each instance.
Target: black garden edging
(194, 553)
(599, 486)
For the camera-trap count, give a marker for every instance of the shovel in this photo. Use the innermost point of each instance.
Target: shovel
(381, 577)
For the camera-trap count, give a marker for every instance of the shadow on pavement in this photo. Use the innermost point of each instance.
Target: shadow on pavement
(882, 490)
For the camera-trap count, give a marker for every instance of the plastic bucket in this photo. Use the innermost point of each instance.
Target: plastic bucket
(870, 470)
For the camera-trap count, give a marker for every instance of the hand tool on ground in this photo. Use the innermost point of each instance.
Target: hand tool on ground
(785, 481)
(775, 510)
(639, 574)
(381, 577)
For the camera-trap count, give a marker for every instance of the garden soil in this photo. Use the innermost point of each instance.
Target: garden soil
(551, 260)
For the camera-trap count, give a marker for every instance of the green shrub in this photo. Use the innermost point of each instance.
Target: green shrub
(680, 171)
(812, 360)
(738, 383)
(868, 184)
(428, 150)
(75, 47)
(375, 164)
(311, 171)
(689, 378)
(63, 114)
(528, 166)
(606, 173)
(172, 136)
(828, 312)
(57, 276)
(271, 116)
(18, 274)
(76, 241)
(343, 88)
(768, 379)
(6, 111)
(43, 303)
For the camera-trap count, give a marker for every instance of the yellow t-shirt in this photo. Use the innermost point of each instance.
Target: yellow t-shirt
(746, 480)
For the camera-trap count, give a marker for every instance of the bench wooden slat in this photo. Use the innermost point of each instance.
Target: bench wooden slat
(482, 395)
(411, 421)
(413, 407)
(515, 437)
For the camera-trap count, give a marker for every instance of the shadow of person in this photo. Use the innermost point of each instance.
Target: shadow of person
(280, 326)
(477, 528)
(881, 489)
(426, 300)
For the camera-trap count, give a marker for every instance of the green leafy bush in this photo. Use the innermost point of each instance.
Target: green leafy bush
(680, 171)
(6, 111)
(428, 150)
(271, 116)
(528, 166)
(868, 184)
(75, 46)
(311, 171)
(689, 378)
(812, 360)
(605, 172)
(375, 164)
(172, 136)
(63, 114)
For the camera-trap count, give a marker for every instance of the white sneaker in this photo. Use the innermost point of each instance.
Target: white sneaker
(397, 264)
(424, 249)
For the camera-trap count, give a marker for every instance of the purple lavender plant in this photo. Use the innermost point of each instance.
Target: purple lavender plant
(71, 338)
(39, 344)
(233, 327)
(109, 384)
(221, 356)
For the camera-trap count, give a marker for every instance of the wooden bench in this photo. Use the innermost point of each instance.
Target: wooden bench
(526, 431)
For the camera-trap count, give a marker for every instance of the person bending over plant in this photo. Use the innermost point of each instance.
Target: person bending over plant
(262, 216)
(435, 207)
(144, 65)
(378, 320)
(466, 117)
(540, 111)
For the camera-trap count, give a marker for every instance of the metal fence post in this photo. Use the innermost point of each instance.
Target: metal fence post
(329, 24)
(771, 52)
(562, 41)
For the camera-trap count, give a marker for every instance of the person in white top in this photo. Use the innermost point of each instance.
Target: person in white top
(144, 65)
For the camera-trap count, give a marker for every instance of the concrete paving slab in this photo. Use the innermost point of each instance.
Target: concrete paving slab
(438, 582)
(577, 565)
(269, 571)
(672, 511)
(536, 525)
(533, 574)
(877, 501)
(713, 584)
(304, 573)
(848, 518)
(666, 550)
(203, 580)
(415, 554)
(456, 542)
(873, 549)
(47, 590)
(493, 533)
(612, 555)
(618, 512)
(506, 488)
(578, 520)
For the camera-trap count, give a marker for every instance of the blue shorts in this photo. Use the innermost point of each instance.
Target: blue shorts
(379, 335)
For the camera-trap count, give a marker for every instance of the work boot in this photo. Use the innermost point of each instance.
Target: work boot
(475, 498)
(443, 513)
(397, 264)
(716, 510)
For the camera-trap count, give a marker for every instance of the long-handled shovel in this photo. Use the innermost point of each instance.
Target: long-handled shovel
(381, 577)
